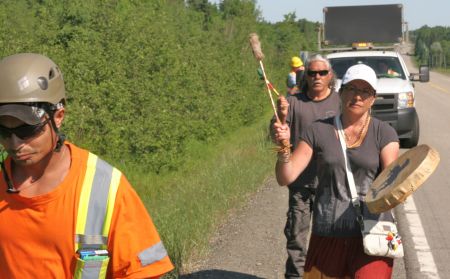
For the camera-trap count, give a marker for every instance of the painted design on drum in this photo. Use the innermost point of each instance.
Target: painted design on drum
(393, 174)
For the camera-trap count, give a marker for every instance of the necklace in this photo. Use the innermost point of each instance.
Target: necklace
(360, 137)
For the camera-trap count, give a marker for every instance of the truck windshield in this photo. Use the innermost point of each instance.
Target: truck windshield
(385, 67)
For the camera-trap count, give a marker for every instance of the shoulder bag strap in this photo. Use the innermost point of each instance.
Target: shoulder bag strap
(351, 181)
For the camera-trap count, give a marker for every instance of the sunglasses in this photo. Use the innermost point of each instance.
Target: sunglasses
(321, 73)
(23, 131)
(364, 93)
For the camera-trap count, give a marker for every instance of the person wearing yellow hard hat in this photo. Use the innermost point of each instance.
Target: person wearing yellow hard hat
(295, 74)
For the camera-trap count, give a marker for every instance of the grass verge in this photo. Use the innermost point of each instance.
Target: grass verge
(189, 204)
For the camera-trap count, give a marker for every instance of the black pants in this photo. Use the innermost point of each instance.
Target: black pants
(297, 230)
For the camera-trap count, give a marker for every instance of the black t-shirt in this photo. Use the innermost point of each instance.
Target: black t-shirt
(334, 214)
(302, 113)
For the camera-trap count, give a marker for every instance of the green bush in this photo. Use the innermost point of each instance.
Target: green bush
(145, 78)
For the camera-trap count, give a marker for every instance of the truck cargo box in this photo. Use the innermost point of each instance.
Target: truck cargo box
(372, 23)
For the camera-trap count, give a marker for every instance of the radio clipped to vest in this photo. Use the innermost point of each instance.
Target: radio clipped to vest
(95, 209)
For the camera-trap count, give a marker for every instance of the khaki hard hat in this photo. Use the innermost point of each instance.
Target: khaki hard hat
(30, 78)
(296, 62)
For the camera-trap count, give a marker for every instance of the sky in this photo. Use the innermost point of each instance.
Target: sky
(416, 12)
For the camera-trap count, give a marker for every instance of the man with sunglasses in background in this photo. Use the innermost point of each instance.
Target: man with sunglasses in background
(64, 212)
(318, 100)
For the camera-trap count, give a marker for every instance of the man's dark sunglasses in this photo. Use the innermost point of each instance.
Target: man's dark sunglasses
(23, 131)
(321, 73)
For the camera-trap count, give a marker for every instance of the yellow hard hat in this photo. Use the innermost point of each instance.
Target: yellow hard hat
(296, 62)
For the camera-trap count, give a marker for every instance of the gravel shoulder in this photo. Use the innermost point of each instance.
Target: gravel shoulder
(251, 243)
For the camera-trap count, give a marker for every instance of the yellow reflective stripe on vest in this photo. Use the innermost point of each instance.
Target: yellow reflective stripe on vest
(95, 209)
(115, 181)
(91, 269)
(84, 197)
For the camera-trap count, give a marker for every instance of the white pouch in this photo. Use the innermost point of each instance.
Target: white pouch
(381, 238)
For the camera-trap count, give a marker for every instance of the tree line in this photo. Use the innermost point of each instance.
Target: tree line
(147, 79)
(432, 46)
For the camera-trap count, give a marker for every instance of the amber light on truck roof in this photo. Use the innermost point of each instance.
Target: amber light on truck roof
(362, 45)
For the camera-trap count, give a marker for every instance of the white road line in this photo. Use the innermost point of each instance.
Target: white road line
(423, 251)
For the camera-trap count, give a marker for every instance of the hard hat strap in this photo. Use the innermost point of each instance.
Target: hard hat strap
(10, 189)
(61, 136)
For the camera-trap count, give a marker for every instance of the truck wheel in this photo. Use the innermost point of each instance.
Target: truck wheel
(414, 139)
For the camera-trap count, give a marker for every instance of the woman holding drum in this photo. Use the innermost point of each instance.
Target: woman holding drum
(336, 249)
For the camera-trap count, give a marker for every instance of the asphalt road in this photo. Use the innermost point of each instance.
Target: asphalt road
(251, 243)
(430, 259)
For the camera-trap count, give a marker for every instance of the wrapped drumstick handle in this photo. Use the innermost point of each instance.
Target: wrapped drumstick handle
(285, 148)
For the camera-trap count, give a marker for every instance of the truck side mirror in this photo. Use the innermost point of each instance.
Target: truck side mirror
(424, 73)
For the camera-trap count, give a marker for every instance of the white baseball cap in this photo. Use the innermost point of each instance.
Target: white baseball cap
(361, 72)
